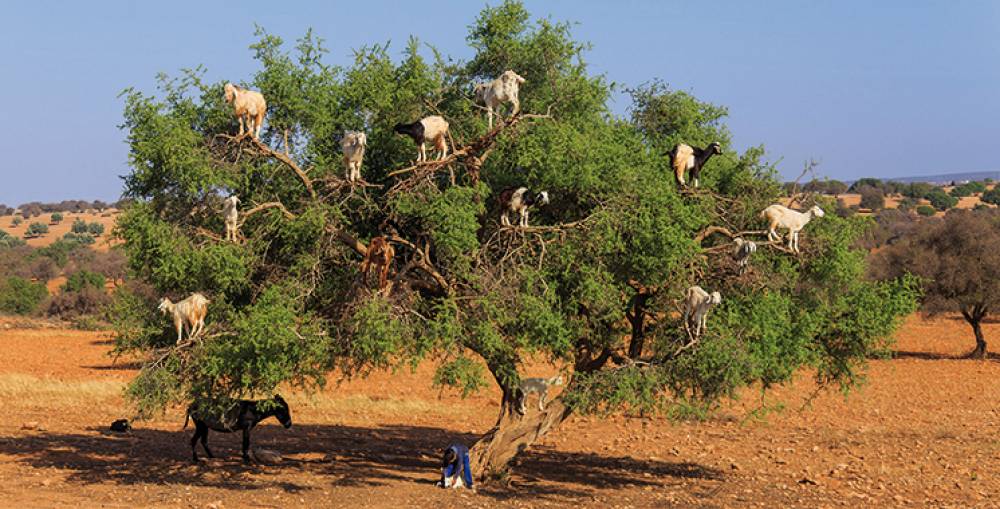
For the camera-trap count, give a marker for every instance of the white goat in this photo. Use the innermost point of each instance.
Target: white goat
(501, 90)
(190, 311)
(780, 216)
(353, 145)
(697, 303)
(742, 252)
(231, 216)
(249, 105)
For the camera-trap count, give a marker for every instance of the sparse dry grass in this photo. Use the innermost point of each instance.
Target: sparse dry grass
(323, 404)
(56, 393)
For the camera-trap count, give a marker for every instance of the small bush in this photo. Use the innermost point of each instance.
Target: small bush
(926, 210)
(16, 221)
(82, 279)
(872, 198)
(941, 200)
(79, 226)
(88, 301)
(20, 296)
(992, 196)
(83, 239)
(95, 229)
(36, 230)
(7, 240)
(56, 218)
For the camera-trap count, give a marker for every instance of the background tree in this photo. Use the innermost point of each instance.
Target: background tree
(940, 199)
(618, 240)
(16, 221)
(958, 259)
(36, 230)
(872, 198)
(56, 218)
(992, 196)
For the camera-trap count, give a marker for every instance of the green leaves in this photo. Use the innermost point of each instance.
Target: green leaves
(288, 301)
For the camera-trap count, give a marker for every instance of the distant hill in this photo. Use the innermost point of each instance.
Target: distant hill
(947, 178)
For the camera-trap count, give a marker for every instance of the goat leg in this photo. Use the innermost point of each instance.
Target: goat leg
(246, 445)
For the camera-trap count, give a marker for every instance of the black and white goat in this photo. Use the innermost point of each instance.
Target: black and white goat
(684, 157)
(519, 200)
(433, 129)
(242, 416)
(742, 251)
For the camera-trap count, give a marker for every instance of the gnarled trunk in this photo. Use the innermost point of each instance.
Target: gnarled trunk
(513, 434)
(975, 317)
(980, 351)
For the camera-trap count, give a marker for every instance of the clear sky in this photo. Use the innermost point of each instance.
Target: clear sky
(887, 88)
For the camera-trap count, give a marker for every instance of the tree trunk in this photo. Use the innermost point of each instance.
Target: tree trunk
(980, 351)
(975, 318)
(513, 434)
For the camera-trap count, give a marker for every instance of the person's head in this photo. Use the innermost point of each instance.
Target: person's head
(449, 457)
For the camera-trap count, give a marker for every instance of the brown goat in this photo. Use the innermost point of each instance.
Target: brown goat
(380, 254)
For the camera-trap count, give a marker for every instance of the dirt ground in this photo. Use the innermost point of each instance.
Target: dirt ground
(922, 433)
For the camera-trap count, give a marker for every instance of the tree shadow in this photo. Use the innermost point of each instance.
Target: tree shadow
(117, 366)
(934, 356)
(347, 456)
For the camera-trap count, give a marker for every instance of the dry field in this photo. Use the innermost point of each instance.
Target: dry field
(922, 433)
(56, 231)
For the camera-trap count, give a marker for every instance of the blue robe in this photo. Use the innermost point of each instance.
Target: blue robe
(461, 462)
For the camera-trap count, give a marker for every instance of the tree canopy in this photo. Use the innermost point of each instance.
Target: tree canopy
(958, 260)
(592, 285)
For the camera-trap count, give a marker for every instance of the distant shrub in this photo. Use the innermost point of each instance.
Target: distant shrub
(20, 296)
(940, 199)
(36, 230)
(79, 226)
(82, 279)
(16, 221)
(968, 189)
(872, 198)
(95, 229)
(917, 190)
(59, 251)
(40, 268)
(926, 210)
(992, 196)
(83, 239)
(56, 217)
(7, 240)
(866, 182)
(87, 301)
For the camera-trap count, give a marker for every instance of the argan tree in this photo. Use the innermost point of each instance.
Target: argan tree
(591, 285)
(957, 258)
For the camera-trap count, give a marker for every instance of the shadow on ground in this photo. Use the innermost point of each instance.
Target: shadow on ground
(347, 456)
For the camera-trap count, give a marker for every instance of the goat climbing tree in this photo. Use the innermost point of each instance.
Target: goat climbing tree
(591, 285)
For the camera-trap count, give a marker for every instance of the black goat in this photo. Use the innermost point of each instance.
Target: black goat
(243, 415)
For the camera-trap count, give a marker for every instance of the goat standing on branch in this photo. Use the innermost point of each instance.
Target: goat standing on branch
(190, 311)
(697, 303)
(248, 105)
(518, 201)
(379, 256)
(742, 252)
(231, 216)
(354, 144)
(433, 129)
(780, 216)
(684, 157)
(501, 90)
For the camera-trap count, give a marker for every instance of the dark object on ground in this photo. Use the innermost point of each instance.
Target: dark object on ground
(121, 426)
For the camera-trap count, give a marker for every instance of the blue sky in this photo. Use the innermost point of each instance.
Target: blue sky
(886, 88)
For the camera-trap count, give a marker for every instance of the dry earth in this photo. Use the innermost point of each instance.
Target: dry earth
(56, 231)
(922, 433)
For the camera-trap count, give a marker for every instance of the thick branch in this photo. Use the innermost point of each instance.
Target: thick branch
(265, 206)
(284, 158)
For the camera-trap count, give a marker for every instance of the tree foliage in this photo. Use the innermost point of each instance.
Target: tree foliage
(618, 239)
(957, 258)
